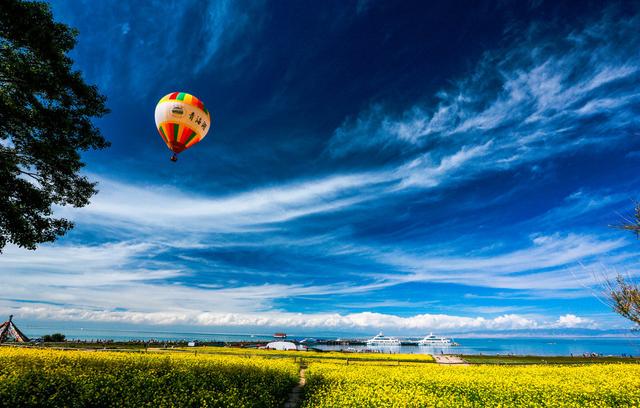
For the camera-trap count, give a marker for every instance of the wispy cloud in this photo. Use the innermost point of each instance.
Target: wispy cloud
(537, 97)
(550, 263)
(423, 172)
(544, 252)
(139, 43)
(169, 208)
(127, 283)
(134, 276)
(583, 203)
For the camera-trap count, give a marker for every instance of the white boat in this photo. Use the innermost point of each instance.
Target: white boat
(433, 340)
(382, 340)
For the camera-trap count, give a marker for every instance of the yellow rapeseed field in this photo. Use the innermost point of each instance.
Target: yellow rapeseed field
(35, 377)
(429, 385)
(45, 377)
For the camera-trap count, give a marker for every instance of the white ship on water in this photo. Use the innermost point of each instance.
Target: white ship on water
(435, 341)
(382, 340)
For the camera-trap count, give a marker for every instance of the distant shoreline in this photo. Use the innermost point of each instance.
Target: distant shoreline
(542, 346)
(244, 348)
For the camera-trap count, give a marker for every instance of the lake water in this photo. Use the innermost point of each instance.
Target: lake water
(543, 346)
(539, 346)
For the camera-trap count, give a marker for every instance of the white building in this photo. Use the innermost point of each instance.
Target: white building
(281, 345)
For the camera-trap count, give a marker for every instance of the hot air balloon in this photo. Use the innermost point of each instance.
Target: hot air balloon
(182, 121)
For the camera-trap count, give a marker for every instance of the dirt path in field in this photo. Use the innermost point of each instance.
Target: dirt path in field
(296, 393)
(449, 360)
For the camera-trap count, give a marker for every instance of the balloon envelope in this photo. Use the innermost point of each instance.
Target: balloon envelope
(182, 120)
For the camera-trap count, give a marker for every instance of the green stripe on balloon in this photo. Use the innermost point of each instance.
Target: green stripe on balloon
(176, 127)
(181, 96)
(190, 138)
(164, 137)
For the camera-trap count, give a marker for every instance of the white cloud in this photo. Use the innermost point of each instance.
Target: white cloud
(327, 321)
(122, 283)
(549, 88)
(73, 258)
(128, 276)
(135, 207)
(572, 321)
(423, 172)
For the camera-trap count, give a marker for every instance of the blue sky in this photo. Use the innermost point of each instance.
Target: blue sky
(374, 165)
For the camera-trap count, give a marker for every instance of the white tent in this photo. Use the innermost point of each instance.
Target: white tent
(281, 345)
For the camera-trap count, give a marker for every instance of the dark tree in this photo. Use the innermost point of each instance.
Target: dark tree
(45, 122)
(623, 293)
(54, 338)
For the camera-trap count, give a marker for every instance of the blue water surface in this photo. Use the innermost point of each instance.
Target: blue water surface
(533, 346)
(540, 346)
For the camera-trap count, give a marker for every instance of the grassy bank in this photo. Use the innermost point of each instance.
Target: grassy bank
(518, 360)
(310, 355)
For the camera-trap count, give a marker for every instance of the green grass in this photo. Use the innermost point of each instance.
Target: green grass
(390, 359)
(477, 359)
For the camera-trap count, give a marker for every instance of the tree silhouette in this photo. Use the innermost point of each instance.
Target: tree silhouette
(45, 123)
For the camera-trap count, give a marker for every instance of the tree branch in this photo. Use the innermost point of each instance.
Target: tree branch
(34, 176)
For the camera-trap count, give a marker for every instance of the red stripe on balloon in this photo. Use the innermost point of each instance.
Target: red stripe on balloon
(169, 127)
(186, 132)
